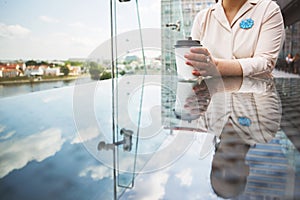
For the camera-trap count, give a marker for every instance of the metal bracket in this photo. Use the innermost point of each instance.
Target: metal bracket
(174, 26)
(126, 142)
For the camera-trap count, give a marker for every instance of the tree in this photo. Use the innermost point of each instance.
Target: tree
(105, 75)
(31, 63)
(122, 73)
(95, 70)
(44, 63)
(95, 73)
(73, 63)
(65, 70)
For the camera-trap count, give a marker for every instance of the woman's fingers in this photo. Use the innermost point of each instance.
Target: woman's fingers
(196, 57)
(199, 50)
(196, 73)
(200, 68)
(200, 59)
(198, 65)
(199, 73)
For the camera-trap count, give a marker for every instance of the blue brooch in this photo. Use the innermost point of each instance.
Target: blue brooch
(244, 121)
(246, 23)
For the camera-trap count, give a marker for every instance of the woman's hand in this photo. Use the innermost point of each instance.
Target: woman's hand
(202, 61)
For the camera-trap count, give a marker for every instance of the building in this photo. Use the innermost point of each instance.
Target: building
(177, 18)
(74, 70)
(52, 71)
(9, 73)
(292, 40)
(34, 71)
(11, 70)
(269, 164)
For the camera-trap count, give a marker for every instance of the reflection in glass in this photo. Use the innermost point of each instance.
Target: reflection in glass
(246, 163)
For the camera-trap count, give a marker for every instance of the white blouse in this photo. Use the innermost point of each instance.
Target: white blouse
(255, 45)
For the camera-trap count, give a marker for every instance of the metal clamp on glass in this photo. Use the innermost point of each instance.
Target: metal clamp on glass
(126, 142)
(174, 26)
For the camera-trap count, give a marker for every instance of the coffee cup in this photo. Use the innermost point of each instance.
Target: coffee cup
(184, 71)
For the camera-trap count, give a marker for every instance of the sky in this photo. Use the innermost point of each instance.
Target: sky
(64, 29)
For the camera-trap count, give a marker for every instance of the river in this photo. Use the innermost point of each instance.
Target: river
(8, 90)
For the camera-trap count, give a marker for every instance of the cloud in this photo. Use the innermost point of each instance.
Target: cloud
(84, 41)
(153, 9)
(17, 152)
(71, 40)
(77, 25)
(150, 7)
(48, 19)
(13, 31)
(80, 26)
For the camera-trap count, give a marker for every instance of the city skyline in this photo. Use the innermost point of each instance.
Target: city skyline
(59, 30)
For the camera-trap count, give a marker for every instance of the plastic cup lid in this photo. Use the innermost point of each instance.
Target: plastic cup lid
(187, 43)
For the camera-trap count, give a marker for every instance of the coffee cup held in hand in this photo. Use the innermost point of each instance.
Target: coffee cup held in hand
(184, 71)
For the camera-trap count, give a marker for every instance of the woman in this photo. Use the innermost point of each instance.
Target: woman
(296, 61)
(239, 38)
(289, 63)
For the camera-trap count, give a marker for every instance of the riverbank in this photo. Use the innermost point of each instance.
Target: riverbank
(40, 79)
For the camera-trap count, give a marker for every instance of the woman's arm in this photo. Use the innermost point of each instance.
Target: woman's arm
(269, 44)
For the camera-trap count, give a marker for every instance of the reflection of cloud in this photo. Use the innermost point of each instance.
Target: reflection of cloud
(48, 19)
(152, 188)
(85, 135)
(13, 31)
(185, 177)
(3, 135)
(2, 128)
(17, 152)
(7, 135)
(48, 99)
(152, 98)
(96, 172)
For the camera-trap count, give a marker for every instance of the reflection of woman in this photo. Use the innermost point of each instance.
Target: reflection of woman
(251, 105)
(240, 37)
(229, 170)
(252, 116)
(241, 112)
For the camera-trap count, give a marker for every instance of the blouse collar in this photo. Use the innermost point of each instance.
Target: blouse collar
(220, 15)
(253, 2)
